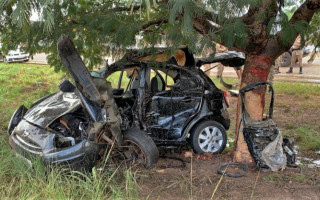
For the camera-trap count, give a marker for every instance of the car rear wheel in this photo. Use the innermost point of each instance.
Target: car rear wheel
(138, 148)
(208, 136)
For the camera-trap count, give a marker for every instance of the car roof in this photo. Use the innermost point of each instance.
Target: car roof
(181, 56)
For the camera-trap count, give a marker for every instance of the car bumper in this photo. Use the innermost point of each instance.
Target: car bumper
(81, 156)
(17, 59)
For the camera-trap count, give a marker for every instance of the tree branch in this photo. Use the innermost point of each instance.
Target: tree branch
(123, 9)
(306, 11)
(205, 23)
(155, 22)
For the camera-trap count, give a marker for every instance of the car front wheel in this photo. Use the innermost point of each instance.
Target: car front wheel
(208, 136)
(139, 148)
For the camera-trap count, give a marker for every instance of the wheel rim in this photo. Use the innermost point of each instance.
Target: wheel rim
(133, 153)
(210, 139)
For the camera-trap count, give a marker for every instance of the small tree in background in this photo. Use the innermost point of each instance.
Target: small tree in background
(259, 28)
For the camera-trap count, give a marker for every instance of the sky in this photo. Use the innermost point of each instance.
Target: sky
(34, 16)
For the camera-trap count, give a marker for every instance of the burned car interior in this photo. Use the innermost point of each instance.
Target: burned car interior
(169, 100)
(162, 97)
(135, 104)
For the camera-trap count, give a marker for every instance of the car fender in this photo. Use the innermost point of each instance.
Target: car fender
(16, 118)
(205, 114)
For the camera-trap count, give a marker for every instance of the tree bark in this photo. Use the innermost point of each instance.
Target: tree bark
(256, 69)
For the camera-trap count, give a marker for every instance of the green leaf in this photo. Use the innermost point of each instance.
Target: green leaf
(130, 3)
(214, 36)
(48, 18)
(288, 34)
(132, 6)
(148, 10)
(228, 37)
(176, 8)
(241, 33)
(272, 25)
(301, 26)
(155, 5)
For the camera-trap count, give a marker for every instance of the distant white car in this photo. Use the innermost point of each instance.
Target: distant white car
(16, 56)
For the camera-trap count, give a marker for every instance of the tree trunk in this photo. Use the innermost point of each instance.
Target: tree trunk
(256, 69)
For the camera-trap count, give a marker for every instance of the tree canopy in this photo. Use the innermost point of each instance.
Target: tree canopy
(259, 28)
(104, 26)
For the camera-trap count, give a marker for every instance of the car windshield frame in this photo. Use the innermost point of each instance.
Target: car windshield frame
(157, 66)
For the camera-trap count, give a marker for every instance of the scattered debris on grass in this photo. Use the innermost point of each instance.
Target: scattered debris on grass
(308, 162)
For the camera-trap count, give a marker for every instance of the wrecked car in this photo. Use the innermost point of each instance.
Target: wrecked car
(75, 126)
(141, 100)
(170, 98)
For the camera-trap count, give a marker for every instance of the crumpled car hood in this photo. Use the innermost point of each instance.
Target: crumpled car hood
(45, 112)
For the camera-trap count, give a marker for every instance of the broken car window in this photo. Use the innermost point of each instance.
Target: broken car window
(157, 81)
(121, 79)
(180, 79)
(114, 79)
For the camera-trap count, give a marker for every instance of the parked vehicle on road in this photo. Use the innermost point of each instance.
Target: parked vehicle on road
(14, 55)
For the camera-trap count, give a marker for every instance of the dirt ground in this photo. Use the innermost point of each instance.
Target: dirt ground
(199, 178)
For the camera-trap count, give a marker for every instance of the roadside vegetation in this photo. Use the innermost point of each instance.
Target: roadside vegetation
(297, 111)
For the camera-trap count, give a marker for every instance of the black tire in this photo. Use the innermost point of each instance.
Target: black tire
(286, 59)
(137, 138)
(217, 140)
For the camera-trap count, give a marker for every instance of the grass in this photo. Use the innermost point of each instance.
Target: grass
(20, 181)
(289, 88)
(297, 89)
(307, 138)
(285, 177)
(23, 84)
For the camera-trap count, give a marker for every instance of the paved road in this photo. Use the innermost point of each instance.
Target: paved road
(311, 72)
(39, 58)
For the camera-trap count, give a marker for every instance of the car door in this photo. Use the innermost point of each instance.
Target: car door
(173, 107)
